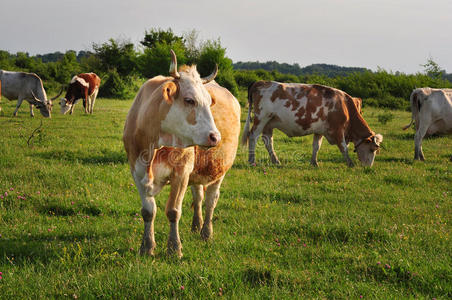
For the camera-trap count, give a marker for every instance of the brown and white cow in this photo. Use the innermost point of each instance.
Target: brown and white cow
(180, 111)
(431, 111)
(82, 86)
(302, 109)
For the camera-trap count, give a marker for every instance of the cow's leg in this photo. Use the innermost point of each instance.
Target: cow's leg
(72, 109)
(212, 195)
(344, 150)
(86, 106)
(420, 133)
(316, 143)
(93, 99)
(179, 182)
(267, 138)
(19, 103)
(148, 212)
(198, 195)
(31, 110)
(255, 132)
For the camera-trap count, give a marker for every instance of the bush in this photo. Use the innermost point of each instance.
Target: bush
(388, 101)
(385, 117)
(245, 78)
(113, 86)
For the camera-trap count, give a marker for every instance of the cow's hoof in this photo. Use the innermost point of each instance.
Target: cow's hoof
(206, 232)
(314, 164)
(196, 225)
(147, 248)
(276, 162)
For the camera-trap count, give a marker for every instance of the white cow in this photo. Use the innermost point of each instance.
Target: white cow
(431, 111)
(26, 86)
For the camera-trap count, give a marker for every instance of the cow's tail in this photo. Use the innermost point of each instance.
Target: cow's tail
(415, 106)
(246, 129)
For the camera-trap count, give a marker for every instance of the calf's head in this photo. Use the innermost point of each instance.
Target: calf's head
(368, 148)
(189, 117)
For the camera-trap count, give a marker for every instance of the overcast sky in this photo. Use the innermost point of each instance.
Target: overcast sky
(396, 35)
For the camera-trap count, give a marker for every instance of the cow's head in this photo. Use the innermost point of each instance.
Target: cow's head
(367, 149)
(65, 105)
(188, 117)
(44, 106)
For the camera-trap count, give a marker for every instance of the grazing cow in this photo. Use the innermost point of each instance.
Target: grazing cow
(26, 86)
(180, 111)
(302, 109)
(431, 111)
(82, 86)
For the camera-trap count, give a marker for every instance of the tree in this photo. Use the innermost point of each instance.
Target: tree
(159, 36)
(156, 61)
(432, 69)
(213, 53)
(116, 54)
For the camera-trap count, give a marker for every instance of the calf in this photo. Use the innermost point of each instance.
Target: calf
(82, 86)
(302, 109)
(26, 86)
(179, 111)
(431, 111)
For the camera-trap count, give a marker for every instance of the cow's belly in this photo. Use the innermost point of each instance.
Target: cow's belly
(293, 126)
(440, 127)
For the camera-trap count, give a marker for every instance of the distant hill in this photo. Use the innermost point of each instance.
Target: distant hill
(319, 69)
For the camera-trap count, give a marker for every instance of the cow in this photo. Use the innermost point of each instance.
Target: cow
(168, 117)
(82, 86)
(431, 112)
(302, 109)
(26, 86)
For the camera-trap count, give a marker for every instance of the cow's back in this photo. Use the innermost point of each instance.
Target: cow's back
(213, 163)
(135, 144)
(93, 81)
(16, 84)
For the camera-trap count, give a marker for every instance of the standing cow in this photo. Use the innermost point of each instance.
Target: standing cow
(82, 86)
(180, 111)
(431, 111)
(302, 109)
(26, 86)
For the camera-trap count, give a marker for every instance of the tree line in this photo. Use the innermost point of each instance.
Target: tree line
(124, 66)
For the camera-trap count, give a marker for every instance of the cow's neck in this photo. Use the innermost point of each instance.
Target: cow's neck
(358, 128)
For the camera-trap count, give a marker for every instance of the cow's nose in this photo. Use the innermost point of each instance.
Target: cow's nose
(214, 138)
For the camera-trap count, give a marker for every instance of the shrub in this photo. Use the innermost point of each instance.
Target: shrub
(113, 86)
(385, 117)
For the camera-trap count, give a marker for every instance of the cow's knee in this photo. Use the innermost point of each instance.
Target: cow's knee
(173, 215)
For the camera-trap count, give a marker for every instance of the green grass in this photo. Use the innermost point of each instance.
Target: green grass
(279, 232)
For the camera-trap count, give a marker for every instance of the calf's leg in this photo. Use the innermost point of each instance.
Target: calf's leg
(198, 195)
(179, 182)
(212, 195)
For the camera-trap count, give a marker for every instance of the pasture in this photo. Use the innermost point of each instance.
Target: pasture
(70, 220)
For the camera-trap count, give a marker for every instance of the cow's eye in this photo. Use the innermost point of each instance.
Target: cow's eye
(189, 101)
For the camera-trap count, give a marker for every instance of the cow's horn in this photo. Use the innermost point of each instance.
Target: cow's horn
(211, 76)
(62, 88)
(34, 96)
(173, 67)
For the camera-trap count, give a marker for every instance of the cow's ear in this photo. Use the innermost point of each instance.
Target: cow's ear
(169, 91)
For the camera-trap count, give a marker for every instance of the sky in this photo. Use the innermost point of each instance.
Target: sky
(396, 35)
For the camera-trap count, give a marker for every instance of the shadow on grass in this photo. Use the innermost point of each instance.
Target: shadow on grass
(43, 248)
(106, 157)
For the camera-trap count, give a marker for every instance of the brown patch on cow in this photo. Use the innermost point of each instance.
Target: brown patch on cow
(191, 117)
(254, 94)
(209, 164)
(305, 116)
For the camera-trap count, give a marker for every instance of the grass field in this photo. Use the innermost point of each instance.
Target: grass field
(71, 227)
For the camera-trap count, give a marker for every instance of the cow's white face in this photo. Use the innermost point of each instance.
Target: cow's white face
(65, 106)
(368, 149)
(189, 117)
